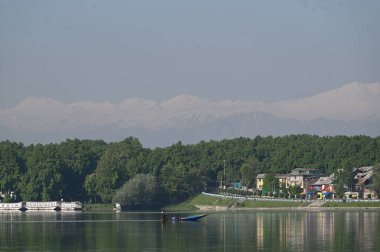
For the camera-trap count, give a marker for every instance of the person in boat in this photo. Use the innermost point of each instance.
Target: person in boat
(163, 216)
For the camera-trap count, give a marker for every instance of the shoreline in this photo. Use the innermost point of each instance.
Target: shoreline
(227, 209)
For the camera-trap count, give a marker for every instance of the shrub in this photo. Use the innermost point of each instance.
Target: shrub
(140, 192)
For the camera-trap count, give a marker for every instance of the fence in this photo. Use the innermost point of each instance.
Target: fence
(267, 198)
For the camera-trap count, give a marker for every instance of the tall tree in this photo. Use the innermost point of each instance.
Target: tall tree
(249, 170)
(142, 191)
(270, 183)
(120, 162)
(43, 179)
(12, 167)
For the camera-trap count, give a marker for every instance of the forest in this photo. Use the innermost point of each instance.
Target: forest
(95, 171)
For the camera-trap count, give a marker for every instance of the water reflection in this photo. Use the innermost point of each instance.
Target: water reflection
(231, 231)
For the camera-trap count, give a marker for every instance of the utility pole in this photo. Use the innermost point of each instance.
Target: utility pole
(224, 172)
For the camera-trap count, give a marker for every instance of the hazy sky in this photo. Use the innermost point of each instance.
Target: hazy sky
(248, 50)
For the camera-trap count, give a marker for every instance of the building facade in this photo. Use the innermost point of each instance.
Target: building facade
(302, 177)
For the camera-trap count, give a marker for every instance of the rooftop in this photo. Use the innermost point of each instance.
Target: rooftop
(305, 171)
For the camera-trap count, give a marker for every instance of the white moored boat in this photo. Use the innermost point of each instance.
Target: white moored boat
(19, 206)
(71, 206)
(37, 205)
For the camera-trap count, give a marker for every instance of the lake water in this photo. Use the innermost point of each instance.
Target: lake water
(272, 230)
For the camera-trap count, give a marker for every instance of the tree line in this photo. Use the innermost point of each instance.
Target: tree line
(96, 171)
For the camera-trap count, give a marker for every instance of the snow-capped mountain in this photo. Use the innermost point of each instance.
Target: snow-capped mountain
(351, 109)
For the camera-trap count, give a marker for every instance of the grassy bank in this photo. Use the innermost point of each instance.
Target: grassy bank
(190, 204)
(352, 204)
(205, 200)
(97, 207)
(272, 204)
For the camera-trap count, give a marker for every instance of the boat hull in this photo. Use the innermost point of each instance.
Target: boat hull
(193, 218)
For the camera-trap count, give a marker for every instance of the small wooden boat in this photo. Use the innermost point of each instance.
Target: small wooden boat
(190, 218)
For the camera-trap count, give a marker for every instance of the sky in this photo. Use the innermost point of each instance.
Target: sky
(240, 50)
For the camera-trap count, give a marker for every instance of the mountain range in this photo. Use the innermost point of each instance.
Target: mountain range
(353, 109)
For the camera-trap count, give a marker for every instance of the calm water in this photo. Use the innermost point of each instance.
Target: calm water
(230, 231)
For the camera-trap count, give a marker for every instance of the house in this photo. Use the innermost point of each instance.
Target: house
(260, 181)
(303, 177)
(363, 181)
(323, 184)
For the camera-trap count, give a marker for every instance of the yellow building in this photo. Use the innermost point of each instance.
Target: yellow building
(282, 180)
(302, 177)
(260, 181)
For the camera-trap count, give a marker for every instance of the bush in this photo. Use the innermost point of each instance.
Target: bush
(140, 192)
(7, 199)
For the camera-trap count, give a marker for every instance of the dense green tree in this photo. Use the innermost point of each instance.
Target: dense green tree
(142, 191)
(344, 179)
(249, 171)
(82, 169)
(119, 162)
(178, 182)
(295, 190)
(43, 178)
(12, 166)
(270, 183)
(79, 159)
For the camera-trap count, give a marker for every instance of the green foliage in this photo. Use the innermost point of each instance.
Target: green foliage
(179, 182)
(295, 190)
(120, 162)
(249, 169)
(98, 207)
(212, 201)
(344, 179)
(43, 178)
(270, 183)
(87, 169)
(139, 192)
(12, 166)
(79, 158)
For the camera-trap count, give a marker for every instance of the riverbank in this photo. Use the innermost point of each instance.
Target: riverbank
(97, 207)
(217, 203)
